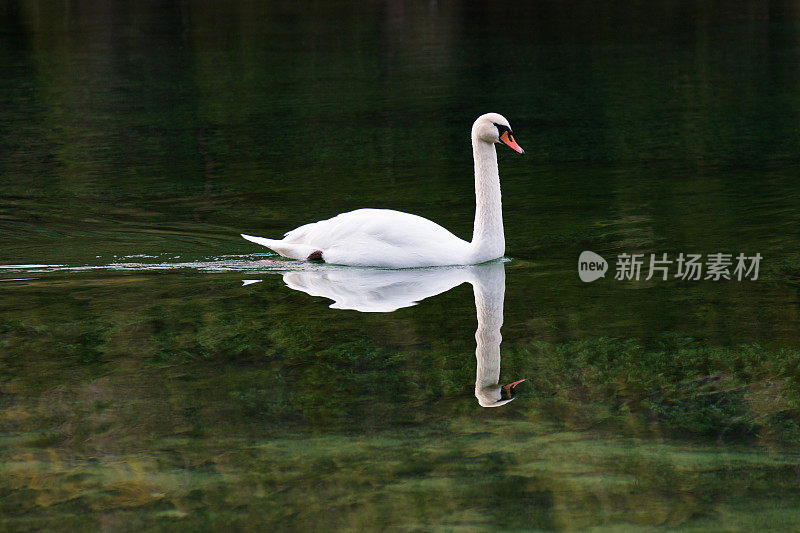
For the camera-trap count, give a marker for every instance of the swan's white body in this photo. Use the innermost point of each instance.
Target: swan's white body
(393, 239)
(375, 237)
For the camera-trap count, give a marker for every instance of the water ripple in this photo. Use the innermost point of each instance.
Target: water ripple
(223, 263)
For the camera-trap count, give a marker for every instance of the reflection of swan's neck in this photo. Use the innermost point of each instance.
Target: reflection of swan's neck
(488, 240)
(489, 295)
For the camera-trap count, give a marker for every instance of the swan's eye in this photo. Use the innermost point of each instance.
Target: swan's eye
(501, 129)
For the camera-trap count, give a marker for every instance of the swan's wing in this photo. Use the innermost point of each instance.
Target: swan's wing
(381, 237)
(393, 228)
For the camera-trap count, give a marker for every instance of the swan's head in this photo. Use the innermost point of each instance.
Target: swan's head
(495, 396)
(493, 128)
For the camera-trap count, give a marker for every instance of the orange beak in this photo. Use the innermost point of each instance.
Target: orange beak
(510, 387)
(509, 141)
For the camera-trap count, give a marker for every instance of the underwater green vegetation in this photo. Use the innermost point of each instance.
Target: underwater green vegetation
(195, 404)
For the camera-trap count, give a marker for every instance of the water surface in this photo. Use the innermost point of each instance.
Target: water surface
(143, 385)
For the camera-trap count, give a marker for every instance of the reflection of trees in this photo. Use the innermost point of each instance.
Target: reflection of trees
(134, 84)
(118, 97)
(240, 114)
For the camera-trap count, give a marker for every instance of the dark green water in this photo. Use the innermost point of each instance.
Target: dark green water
(144, 387)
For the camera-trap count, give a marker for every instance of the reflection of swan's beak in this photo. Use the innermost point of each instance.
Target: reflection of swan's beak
(509, 141)
(508, 390)
(496, 396)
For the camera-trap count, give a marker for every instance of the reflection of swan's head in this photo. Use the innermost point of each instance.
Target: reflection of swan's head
(492, 128)
(495, 395)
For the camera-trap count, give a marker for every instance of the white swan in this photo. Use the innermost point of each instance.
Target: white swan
(393, 239)
(383, 291)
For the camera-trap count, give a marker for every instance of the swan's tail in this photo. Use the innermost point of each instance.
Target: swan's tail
(290, 250)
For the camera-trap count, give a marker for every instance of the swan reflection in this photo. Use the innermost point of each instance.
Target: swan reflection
(384, 291)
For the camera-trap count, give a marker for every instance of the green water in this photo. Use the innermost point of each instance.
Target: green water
(143, 386)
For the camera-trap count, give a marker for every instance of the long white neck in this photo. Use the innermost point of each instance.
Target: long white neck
(489, 290)
(488, 240)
